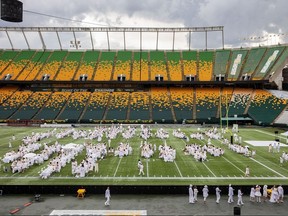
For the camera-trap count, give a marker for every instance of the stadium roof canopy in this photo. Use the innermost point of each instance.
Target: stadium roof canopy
(103, 37)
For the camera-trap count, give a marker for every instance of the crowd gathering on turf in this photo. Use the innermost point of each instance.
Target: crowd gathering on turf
(26, 155)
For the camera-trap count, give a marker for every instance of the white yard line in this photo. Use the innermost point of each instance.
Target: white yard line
(233, 165)
(178, 169)
(117, 167)
(270, 134)
(268, 168)
(152, 178)
(147, 168)
(209, 169)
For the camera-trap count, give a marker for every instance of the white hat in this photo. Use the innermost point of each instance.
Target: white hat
(229, 185)
(205, 186)
(190, 185)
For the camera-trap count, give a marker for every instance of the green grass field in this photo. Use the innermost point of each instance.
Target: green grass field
(230, 168)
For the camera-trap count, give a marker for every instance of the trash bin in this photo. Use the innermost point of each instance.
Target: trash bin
(237, 210)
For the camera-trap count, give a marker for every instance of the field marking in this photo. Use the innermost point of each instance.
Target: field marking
(147, 169)
(270, 134)
(178, 168)
(117, 167)
(268, 167)
(155, 178)
(209, 169)
(233, 164)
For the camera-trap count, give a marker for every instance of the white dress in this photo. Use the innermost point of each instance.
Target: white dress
(257, 192)
(252, 192)
(191, 195)
(274, 196)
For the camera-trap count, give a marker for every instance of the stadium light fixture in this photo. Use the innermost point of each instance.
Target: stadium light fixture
(12, 11)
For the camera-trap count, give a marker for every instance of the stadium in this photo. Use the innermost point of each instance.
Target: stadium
(190, 116)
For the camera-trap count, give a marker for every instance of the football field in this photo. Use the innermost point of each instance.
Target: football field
(264, 166)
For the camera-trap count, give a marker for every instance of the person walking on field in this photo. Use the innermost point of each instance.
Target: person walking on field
(240, 194)
(195, 190)
(230, 194)
(247, 171)
(140, 167)
(218, 191)
(107, 196)
(191, 194)
(205, 193)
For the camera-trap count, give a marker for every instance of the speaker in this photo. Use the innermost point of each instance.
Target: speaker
(45, 77)
(121, 78)
(11, 10)
(159, 78)
(276, 132)
(7, 77)
(83, 77)
(190, 78)
(237, 210)
(231, 139)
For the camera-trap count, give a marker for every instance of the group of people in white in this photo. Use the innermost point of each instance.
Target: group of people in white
(26, 155)
(65, 155)
(199, 152)
(179, 134)
(240, 149)
(167, 153)
(145, 132)
(123, 149)
(147, 149)
(273, 195)
(197, 136)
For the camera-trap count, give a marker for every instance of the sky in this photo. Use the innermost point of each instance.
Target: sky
(246, 22)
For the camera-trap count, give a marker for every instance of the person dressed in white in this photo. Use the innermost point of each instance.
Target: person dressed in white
(230, 194)
(240, 194)
(195, 190)
(141, 168)
(274, 195)
(247, 171)
(205, 193)
(281, 161)
(107, 196)
(191, 195)
(265, 194)
(258, 193)
(280, 193)
(252, 194)
(218, 191)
